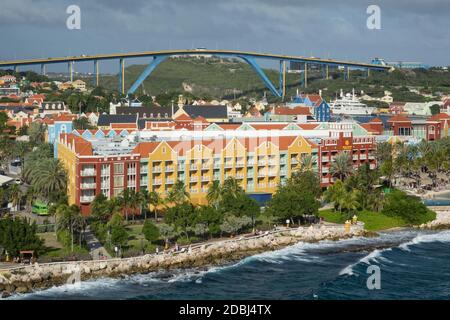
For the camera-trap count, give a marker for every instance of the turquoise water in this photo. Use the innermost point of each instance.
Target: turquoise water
(413, 265)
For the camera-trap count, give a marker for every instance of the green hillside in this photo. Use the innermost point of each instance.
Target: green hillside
(224, 78)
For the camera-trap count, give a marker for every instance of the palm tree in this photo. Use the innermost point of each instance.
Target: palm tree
(70, 218)
(336, 194)
(36, 132)
(21, 148)
(30, 195)
(341, 166)
(49, 178)
(126, 200)
(178, 193)
(144, 200)
(15, 195)
(232, 187)
(214, 194)
(307, 163)
(350, 200)
(155, 201)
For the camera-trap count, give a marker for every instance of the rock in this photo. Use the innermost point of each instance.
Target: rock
(21, 289)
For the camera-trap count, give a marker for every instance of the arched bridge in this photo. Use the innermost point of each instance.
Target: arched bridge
(159, 56)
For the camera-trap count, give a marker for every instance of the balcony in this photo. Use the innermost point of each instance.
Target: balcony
(156, 169)
(192, 190)
(272, 174)
(170, 168)
(283, 172)
(205, 190)
(217, 165)
(193, 179)
(206, 166)
(272, 184)
(262, 174)
(363, 156)
(106, 185)
(170, 181)
(326, 180)
(250, 162)
(373, 166)
(273, 162)
(262, 163)
(157, 182)
(294, 161)
(180, 167)
(205, 178)
(106, 173)
(228, 164)
(87, 198)
(88, 173)
(325, 169)
(239, 176)
(240, 164)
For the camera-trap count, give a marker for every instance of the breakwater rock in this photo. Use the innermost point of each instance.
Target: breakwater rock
(39, 276)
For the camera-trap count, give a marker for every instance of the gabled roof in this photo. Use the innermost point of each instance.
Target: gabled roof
(291, 111)
(79, 145)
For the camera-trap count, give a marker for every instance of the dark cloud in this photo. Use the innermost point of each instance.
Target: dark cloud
(411, 29)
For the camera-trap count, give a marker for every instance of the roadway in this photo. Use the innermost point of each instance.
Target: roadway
(236, 53)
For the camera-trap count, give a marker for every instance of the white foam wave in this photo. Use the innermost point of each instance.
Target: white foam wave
(373, 256)
(443, 236)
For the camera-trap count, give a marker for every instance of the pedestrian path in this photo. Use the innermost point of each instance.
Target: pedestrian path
(96, 249)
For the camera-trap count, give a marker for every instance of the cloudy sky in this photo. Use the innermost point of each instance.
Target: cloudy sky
(411, 30)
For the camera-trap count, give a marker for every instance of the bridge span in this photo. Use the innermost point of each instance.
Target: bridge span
(156, 57)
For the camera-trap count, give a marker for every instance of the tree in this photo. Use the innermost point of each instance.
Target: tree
(341, 166)
(128, 201)
(336, 193)
(214, 195)
(150, 231)
(36, 133)
(232, 224)
(209, 216)
(178, 193)
(408, 208)
(155, 200)
(101, 210)
(82, 123)
(231, 187)
(307, 163)
(435, 109)
(181, 216)
(49, 178)
(296, 198)
(15, 195)
(167, 232)
(70, 218)
(18, 234)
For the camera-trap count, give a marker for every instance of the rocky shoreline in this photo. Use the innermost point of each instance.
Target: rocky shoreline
(442, 220)
(36, 277)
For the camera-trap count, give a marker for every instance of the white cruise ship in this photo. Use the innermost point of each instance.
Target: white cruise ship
(350, 105)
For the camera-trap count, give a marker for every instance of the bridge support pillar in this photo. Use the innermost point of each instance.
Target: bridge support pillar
(70, 66)
(96, 78)
(327, 67)
(282, 75)
(16, 69)
(368, 72)
(306, 75)
(43, 69)
(147, 71)
(122, 76)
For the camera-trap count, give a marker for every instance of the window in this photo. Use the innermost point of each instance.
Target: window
(63, 128)
(118, 168)
(118, 181)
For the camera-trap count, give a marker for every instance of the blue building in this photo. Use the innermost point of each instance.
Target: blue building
(61, 124)
(321, 109)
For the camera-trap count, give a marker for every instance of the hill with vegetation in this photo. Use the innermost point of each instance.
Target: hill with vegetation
(231, 78)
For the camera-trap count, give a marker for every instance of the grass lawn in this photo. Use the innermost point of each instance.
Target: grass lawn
(373, 221)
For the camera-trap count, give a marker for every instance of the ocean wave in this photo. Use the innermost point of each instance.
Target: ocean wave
(373, 256)
(443, 236)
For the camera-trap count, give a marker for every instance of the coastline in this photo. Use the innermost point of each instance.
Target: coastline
(26, 279)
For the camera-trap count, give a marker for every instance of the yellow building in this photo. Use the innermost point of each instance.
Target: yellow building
(259, 164)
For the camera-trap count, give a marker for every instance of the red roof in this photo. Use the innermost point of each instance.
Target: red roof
(183, 117)
(376, 120)
(81, 146)
(439, 117)
(399, 118)
(291, 111)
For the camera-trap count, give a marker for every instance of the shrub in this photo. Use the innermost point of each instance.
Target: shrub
(409, 208)
(150, 231)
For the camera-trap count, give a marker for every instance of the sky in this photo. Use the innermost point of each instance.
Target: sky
(411, 30)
